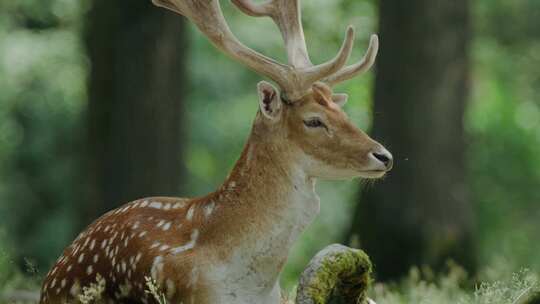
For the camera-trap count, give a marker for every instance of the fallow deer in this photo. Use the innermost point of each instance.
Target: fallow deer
(230, 246)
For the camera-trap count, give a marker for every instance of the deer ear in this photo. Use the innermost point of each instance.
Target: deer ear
(269, 101)
(340, 99)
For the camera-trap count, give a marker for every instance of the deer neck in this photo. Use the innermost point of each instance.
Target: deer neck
(269, 189)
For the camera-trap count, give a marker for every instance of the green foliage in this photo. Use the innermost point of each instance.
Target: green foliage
(11, 277)
(42, 95)
(503, 122)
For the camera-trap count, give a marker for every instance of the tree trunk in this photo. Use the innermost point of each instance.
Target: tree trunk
(136, 88)
(420, 214)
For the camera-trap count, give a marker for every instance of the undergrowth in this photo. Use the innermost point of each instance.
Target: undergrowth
(455, 287)
(422, 286)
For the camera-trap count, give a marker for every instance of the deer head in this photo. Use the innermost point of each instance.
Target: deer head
(304, 112)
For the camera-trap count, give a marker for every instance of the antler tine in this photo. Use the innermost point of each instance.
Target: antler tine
(288, 17)
(208, 17)
(362, 66)
(253, 9)
(321, 71)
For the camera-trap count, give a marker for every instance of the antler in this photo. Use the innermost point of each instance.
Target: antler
(358, 68)
(296, 78)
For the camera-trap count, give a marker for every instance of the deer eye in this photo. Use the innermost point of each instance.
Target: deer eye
(314, 123)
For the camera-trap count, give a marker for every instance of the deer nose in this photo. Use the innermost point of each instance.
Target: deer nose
(384, 157)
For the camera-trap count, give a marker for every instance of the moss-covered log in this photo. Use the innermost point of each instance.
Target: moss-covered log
(337, 273)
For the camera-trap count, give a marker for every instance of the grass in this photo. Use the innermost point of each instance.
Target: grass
(454, 287)
(422, 286)
(153, 289)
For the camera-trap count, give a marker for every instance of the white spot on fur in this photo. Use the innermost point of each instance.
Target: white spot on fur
(138, 257)
(157, 267)
(143, 233)
(81, 258)
(164, 247)
(89, 270)
(144, 204)
(189, 245)
(75, 289)
(92, 244)
(166, 226)
(96, 258)
(190, 212)
(167, 206)
(209, 208)
(179, 205)
(156, 205)
(76, 250)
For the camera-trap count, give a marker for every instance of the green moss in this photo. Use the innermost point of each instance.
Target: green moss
(338, 272)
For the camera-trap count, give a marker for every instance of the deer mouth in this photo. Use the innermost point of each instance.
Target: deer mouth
(373, 174)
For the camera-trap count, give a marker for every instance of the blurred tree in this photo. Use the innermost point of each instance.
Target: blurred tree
(40, 128)
(137, 83)
(420, 214)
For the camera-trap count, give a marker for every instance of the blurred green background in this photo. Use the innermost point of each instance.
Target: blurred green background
(76, 118)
